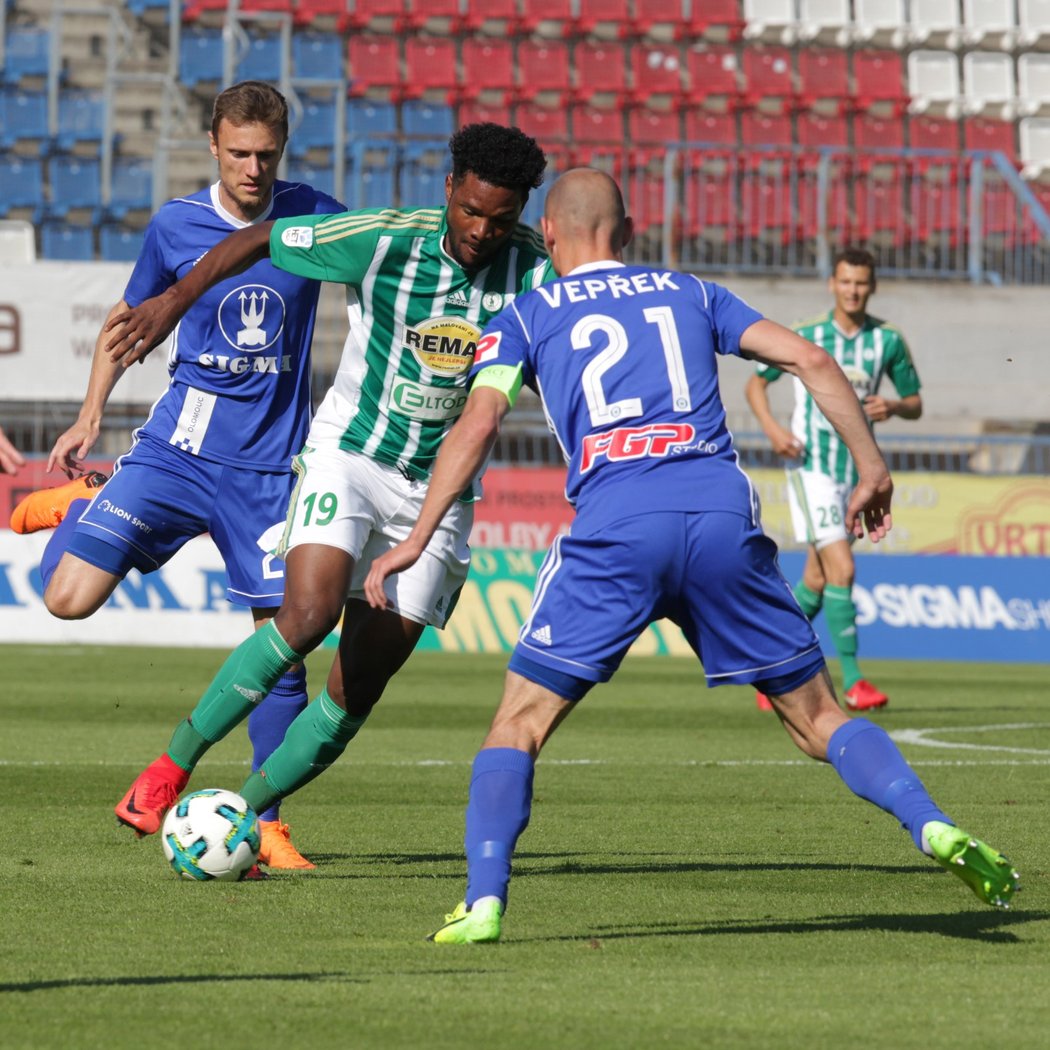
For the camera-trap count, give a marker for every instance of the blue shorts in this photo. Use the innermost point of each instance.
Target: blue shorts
(160, 497)
(714, 574)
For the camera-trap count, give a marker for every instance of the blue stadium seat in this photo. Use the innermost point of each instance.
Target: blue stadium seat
(21, 183)
(76, 182)
(263, 60)
(370, 181)
(318, 56)
(80, 118)
(118, 243)
(320, 177)
(422, 180)
(27, 54)
(200, 56)
(74, 243)
(132, 187)
(23, 118)
(316, 130)
(435, 120)
(366, 117)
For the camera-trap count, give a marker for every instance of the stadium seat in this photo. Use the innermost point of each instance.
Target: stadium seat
(1033, 23)
(872, 132)
(879, 78)
(71, 243)
(316, 12)
(712, 71)
(369, 118)
(192, 10)
(767, 216)
(21, 183)
(76, 183)
(547, 17)
(369, 180)
(710, 126)
(374, 63)
(836, 225)
(318, 56)
(119, 243)
(473, 112)
(988, 85)
(316, 128)
(823, 75)
(262, 60)
(437, 17)
(81, 115)
(656, 69)
(277, 6)
(645, 202)
(430, 65)
(996, 135)
(815, 129)
(927, 132)
(767, 74)
(27, 53)
(490, 17)
(533, 209)
(653, 127)
(774, 21)
(709, 208)
(422, 179)
(544, 123)
(24, 120)
(386, 16)
(990, 23)
(320, 176)
(601, 69)
(543, 65)
(200, 56)
(758, 128)
(1034, 136)
(828, 20)
(665, 18)
(1033, 83)
(933, 83)
(880, 215)
(488, 65)
(132, 185)
(427, 119)
(880, 23)
(934, 23)
(937, 214)
(606, 18)
(716, 19)
(593, 126)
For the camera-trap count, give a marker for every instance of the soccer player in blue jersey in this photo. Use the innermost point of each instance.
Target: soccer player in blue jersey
(625, 359)
(215, 454)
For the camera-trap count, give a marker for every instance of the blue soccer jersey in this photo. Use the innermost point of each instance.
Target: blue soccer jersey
(624, 358)
(240, 357)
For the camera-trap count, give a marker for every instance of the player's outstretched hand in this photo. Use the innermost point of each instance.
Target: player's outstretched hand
(397, 559)
(869, 506)
(11, 460)
(72, 448)
(137, 331)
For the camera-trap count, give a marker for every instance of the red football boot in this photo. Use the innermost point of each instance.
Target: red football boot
(862, 696)
(155, 791)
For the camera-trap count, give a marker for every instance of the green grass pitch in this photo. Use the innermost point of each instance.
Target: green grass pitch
(688, 879)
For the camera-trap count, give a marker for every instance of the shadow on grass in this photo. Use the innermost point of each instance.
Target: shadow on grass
(160, 980)
(990, 927)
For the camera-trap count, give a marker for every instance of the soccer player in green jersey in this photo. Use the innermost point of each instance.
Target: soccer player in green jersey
(821, 479)
(421, 285)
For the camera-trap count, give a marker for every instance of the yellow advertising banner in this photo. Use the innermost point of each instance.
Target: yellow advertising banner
(937, 513)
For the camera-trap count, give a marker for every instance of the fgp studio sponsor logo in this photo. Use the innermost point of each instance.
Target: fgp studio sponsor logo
(444, 345)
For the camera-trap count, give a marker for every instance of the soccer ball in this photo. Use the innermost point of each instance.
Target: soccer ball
(211, 834)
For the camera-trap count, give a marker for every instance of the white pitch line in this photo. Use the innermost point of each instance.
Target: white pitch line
(922, 737)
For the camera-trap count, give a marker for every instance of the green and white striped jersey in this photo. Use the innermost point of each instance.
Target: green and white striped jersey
(415, 319)
(876, 350)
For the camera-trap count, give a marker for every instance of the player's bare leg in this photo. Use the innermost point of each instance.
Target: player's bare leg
(78, 589)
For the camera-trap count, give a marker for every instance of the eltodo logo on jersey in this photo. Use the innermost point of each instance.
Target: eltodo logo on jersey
(251, 317)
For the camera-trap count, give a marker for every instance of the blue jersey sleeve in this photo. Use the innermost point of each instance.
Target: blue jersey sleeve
(152, 274)
(730, 317)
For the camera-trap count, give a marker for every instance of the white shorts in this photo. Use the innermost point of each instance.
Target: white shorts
(818, 507)
(346, 500)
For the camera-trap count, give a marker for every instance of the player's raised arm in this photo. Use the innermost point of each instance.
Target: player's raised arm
(463, 453)
(773, 344)
(134, 333)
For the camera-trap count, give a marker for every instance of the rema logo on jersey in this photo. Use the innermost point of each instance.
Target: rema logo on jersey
(444, 345)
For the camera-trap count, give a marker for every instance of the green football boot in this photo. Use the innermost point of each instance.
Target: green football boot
(479, 925)
(985, 870)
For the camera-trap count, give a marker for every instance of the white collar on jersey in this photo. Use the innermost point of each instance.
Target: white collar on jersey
(232, 219)
(601, 264)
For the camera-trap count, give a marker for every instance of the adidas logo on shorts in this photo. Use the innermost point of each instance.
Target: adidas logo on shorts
(542, 634)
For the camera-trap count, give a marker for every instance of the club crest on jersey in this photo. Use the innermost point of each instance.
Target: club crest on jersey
(445, 345)
(492, 301)
(251, 317)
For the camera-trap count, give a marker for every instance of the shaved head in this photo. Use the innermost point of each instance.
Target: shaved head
(584, 219)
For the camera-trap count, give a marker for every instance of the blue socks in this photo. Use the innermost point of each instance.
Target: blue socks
(873, 768)
(497, 813)
(59, 542)
(269, 721)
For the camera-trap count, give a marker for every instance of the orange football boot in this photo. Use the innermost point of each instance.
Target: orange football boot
(45, 508)
(276, 849)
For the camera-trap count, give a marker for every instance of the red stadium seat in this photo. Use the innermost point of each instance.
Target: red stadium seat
(473, 112)
(709, 205)
(823, 75)
(543, 66)
(818, 129)
(653, 127)
(659, 16)
(309, 12)
(494, 16)
(716, 16)
(766, 212)
(488, 65)
(374, 62)
(601, 68)
(656, 70)
(875, 132)
(538, 14)
(880, 212)
(702, 125)
(836, 216)
(614, 15)
(280, 6)
(388, 13)
(765, 129)
(546, 124)
(645, 202)
(767, 74)
(933, 133)
(712, 72)
(591, 125)
(430, 65)
(193, 9)
(991, 135)
(435, 16)
(937, 211)
(879, 78)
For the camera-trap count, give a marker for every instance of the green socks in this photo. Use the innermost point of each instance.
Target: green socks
(243, 681)
(810, 600)
(841, 614)
(313, 742)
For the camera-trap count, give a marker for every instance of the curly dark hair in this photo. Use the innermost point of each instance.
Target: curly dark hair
(497, 155)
